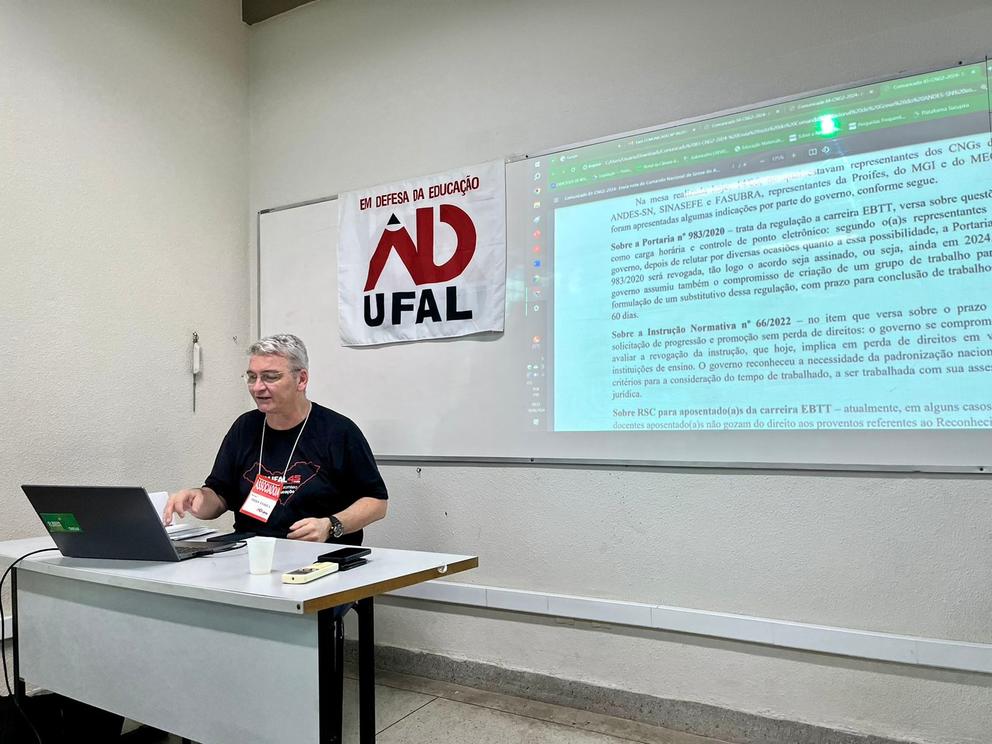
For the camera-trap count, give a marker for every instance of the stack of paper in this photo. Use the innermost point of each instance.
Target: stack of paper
(186, 531)
(179, 530)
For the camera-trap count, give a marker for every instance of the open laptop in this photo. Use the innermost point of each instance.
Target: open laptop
(116, 522)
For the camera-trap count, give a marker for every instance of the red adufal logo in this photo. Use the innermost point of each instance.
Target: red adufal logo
(418, 257)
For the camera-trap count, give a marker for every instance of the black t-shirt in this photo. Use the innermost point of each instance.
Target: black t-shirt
(332, 468)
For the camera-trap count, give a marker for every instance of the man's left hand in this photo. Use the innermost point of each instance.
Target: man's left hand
(311, 529)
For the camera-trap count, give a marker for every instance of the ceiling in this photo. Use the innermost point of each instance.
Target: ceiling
(253, 11)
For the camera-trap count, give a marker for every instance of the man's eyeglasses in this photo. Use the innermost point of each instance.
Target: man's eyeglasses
(267, 378)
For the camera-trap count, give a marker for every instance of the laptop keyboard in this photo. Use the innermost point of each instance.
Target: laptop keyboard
(189, 551)
(192, 549)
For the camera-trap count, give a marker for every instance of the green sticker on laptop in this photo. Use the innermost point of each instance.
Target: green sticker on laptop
(65, 522)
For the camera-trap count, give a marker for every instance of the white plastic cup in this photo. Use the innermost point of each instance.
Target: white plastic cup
(260, 553)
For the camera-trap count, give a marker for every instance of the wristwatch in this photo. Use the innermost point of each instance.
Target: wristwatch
(337, 529)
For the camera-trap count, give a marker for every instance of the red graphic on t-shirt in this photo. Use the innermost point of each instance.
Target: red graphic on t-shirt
(294, 481)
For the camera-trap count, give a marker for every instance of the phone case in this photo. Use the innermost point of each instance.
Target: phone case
(361, 553)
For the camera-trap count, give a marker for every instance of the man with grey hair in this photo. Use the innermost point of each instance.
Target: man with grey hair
(291, 468)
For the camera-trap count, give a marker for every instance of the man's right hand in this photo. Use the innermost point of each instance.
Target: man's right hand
(189, 499)
(203, 503)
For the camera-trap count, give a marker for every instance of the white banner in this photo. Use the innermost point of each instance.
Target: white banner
(423, 258)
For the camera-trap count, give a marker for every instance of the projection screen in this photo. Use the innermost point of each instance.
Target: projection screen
(802, 284)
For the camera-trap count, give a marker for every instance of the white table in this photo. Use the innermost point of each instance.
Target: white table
(201, 648)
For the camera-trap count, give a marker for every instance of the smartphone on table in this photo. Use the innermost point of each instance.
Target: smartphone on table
(347, 557)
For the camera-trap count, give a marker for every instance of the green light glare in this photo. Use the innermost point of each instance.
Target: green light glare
(827, 125)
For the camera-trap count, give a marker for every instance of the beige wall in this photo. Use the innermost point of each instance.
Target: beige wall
(123, 189)
(124, 182)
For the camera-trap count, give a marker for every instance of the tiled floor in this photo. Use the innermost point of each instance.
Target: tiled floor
(414, 710)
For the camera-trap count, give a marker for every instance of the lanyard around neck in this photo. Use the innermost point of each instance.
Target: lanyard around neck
(289, 460)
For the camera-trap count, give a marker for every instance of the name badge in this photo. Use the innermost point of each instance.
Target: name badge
(263, 498)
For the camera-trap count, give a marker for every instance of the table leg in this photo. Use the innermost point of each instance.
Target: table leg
(20, 688)
(366, 671)
(330, 684)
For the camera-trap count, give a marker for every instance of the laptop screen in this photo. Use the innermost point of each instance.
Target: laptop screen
(117, 522)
